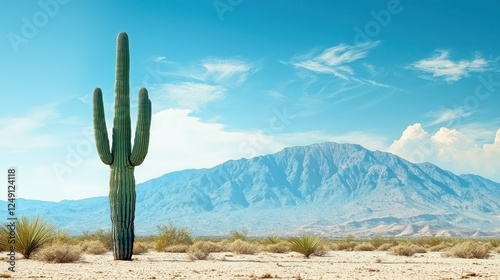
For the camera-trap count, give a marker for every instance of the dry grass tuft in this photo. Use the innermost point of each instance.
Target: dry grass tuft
(469, 250)
(280, 247)
(243, 247)
(407, 250)
(94, 247)
(365, 246)
(180, 248)
(60, 253)
(385, 246)
(140, 248)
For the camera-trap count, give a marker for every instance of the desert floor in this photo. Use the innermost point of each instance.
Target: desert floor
(335, 265)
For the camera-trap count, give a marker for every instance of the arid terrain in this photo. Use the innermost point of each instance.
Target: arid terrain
(226, 265)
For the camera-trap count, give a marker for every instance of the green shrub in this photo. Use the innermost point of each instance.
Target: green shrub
(170, 235)
(31, 235)
(469, 250)
(306, 245)
(59, 253)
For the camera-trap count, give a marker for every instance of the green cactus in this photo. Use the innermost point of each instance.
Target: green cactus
(122, 159)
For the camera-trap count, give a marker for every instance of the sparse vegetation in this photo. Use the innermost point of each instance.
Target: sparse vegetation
(104, 236)
(59, 253)
(243, 247)
(469, 250)
(94, 247)
(239, 235)
(31, 234)
(306, 245)
(407, 250)
(140, 248)
(170, 235)
(365, 246)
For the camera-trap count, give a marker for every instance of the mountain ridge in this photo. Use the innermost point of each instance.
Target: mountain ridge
(291, 191)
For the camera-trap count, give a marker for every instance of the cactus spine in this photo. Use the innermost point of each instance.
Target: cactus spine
(122, 158)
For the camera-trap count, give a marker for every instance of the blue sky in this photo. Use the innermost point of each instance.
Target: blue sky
(236, 78)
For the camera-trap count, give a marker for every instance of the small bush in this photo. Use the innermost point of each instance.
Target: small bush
(94, 247)
(273, 239)
(469, 250)
(60, 253)
(365, 246)
(243, 247)
(201, 250)
(170, 235)
(239, 235)
(439, 247)
(306, 245)
(104, 236)
(30, 235)
(280, 248)
(140, 248)
(179, 248)
(385, 247)
(377, 241)
(407, 250)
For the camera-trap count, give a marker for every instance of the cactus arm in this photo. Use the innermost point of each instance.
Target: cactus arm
(141, 140)
(100, 131)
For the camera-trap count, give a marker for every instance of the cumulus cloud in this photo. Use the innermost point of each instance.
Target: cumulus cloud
(450, 149)
(441, 66)
(334, 60)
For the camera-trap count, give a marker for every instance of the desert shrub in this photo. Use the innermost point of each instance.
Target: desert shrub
(201, 250)
(439, 247)
(280, 247)
(179, 248)
(170, 235)
(306, 245)
(94, 247)
(407, 250)
(365, 246)
(494, 242)
(140, 248)
(346, 244)
(377, 241)
(104, 236)
(385, 246)
(429, 241)
(239, 235)
(30, 235)
(273, 239)
(59, 253)
(469, 250)
(243, 247)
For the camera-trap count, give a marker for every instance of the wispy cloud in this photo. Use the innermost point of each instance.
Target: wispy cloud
(441, 66)
(447, 116)
(24, 132)
(335, 60)
(219, 70)
(190, 95)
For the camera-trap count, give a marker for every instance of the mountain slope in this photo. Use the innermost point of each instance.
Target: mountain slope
(328, 188)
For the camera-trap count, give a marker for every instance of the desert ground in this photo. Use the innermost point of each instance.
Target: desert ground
(334, 265)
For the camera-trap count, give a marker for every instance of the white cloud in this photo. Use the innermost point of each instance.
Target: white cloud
(24, 132)
(450, 149)
(190, 95)
(441, 66)
(226, 70)
(335, 60)
(448, 115)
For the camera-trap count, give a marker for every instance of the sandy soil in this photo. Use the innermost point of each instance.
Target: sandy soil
(335, 265)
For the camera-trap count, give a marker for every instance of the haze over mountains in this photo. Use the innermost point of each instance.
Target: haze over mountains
(329, 188)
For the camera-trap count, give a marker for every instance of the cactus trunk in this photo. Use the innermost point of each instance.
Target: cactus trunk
(122, 159)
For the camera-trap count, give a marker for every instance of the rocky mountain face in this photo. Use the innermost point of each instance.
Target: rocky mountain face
(329, 188)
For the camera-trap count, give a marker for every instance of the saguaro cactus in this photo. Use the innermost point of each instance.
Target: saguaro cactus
(122, 159)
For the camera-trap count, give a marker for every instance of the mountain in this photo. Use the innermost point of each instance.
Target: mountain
(329, 188)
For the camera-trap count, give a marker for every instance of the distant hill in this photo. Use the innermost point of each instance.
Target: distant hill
(329, 188)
